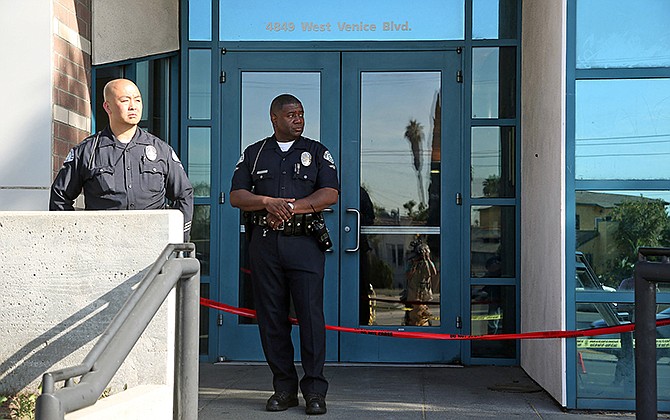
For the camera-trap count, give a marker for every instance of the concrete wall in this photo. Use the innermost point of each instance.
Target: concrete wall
(26, 84)
(543, 191)
(125, 29)
(64, 276)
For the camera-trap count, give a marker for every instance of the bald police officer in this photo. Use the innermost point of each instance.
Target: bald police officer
(284, 182)
(123, 167)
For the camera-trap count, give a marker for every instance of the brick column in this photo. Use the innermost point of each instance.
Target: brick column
(71, 76)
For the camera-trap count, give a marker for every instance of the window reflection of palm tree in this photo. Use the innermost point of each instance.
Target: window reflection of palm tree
(414, 134)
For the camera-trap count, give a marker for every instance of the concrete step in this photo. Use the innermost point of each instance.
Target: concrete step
(141, 402)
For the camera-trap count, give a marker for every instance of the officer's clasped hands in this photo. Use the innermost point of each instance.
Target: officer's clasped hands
(279, 212)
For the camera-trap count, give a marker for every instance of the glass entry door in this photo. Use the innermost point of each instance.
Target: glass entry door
(392, 124)
(252, 80)
(400, 231)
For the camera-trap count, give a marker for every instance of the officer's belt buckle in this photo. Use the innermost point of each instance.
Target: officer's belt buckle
(280, 226)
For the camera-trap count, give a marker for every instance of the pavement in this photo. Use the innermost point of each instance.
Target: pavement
(239, 391)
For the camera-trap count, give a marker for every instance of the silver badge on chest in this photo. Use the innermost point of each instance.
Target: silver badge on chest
(306, 159)
(151, 153)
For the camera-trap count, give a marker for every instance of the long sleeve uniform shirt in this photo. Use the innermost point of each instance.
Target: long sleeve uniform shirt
(138, 175)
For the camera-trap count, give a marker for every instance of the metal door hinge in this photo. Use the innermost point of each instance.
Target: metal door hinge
(222, 79)
(222, 198)
(459, 199)
(219, 320)
(223, 51)
(459, 322)
(459, 76)
(459, 50)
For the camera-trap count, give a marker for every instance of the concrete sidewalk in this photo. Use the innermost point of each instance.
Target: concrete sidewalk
(239, 391)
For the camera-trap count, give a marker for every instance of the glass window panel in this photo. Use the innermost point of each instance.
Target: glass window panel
(204, 320)
(605, 363)
(620, 33)
(622, 129)
(199, 160)
(494, 82)
(492, 241)
(612, 225)
(260, 88)
(199, 84)
(344, 20)
(400, 284)
(492, 171)
(400, 146)
(200, 236)
(142, 82)
(494, 19)
(493, 311)
(159, 120)
(200, 20)
(152, 79)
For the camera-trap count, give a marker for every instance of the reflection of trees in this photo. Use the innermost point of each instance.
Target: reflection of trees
(414, 134)
(201, 189)
(381, 273)
(201, 216)
(491, 186)
(200, 227)
(420, 215)
(638, 223)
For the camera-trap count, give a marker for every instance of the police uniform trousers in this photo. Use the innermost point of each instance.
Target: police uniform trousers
(283, 267)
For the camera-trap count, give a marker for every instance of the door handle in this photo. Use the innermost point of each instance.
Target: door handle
(358, 230)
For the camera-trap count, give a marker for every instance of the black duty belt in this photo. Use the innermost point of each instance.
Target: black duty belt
(297, 225)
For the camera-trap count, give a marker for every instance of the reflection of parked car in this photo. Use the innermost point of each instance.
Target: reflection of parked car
(661, 333)
(586, 280)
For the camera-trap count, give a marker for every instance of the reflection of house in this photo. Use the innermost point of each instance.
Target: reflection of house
(594, 225)
(491, 235)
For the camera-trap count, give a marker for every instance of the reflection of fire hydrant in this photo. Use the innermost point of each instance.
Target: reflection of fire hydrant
(420, 285)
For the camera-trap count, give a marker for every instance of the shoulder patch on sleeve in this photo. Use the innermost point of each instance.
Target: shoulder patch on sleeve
(328, 157)
(69, 157)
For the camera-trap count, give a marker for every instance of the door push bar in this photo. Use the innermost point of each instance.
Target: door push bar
(358, 230)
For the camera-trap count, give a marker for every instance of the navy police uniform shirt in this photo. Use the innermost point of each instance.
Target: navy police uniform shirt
(138, 175)
(265, 170)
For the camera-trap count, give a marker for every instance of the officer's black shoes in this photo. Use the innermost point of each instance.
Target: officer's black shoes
(315, 404)
(281, 401)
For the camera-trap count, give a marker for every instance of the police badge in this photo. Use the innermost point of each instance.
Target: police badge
(151, 153)
(306, 159)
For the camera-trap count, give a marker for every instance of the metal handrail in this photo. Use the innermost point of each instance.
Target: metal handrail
(174, 267)
(647, 274)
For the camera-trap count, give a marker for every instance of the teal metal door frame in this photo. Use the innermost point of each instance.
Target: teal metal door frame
(241, 341)
(375, 348)
(340, 113)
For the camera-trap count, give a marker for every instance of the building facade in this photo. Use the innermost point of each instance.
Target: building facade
(525, 143)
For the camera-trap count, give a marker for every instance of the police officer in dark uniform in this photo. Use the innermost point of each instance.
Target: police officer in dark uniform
(282, 183)
(123, 167)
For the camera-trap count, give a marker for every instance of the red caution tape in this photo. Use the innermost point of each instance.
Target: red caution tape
(592, 332)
